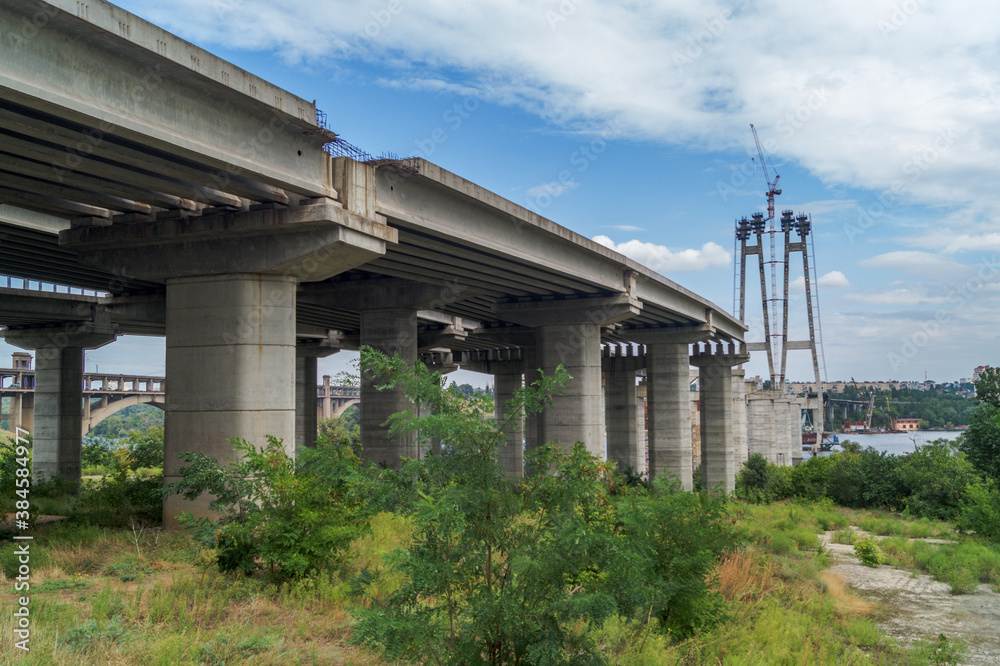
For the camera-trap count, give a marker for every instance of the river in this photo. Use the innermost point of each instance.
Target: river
(896, 443)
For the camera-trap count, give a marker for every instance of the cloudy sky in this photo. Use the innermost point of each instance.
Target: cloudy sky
(628, 122)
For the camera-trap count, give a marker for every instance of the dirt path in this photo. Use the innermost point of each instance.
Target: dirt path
(917, 607)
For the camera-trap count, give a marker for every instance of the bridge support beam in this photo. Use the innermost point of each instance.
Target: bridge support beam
(718, 445)
(57, 440)
(230, 359)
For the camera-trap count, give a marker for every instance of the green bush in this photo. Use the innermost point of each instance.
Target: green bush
(292, 518)
(868, 551)
(516, 567)
(935, 476)
(981, 442)
(810, 478)
(761, 482)
(980, 510)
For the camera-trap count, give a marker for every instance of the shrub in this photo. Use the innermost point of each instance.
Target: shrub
(294, 518)
(934, 476)
(868, 551)
(980, 510)
(509, 571)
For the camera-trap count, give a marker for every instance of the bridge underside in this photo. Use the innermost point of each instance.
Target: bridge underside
(199, 203)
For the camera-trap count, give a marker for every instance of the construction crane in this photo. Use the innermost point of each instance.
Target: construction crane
(871, 405)
(772, 186)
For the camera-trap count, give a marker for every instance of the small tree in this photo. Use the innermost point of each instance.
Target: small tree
(292, 517)
(508, 571)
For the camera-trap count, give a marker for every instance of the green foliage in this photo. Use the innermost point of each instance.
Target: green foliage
(980, 509)
(129, 568)
(940, 651)
(935, 476)
(988, 386)
(809, 478)
(509, 571)
(123, 496)
(981, 442)
(868, 551)
(343, 430)
(89, 635)
(134, 418)
(292, 518)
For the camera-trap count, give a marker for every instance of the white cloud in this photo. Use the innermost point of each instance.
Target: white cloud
(833, 279)
(854, 93)
(626, 227)
(913, 262)
(664, 260)
(553, 189)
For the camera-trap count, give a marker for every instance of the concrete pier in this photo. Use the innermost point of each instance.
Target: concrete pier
(718, 445)
(58, 396)
(230, 360)
(626, 444)
(393, 331)
(507, 380)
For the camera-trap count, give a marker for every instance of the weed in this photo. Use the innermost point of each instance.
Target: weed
(940, 651)
(845, 536)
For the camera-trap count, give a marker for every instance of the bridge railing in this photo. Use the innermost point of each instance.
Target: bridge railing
(35, 285)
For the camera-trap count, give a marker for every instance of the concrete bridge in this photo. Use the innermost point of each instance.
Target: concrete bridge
(201, 203)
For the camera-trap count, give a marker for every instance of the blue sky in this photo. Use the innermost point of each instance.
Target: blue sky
(630, 121)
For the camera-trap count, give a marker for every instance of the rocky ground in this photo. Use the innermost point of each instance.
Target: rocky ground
(914, 606)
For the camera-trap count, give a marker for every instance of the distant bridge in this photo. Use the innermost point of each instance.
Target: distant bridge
(105, 394)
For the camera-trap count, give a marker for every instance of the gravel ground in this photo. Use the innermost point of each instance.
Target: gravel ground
(914, 606)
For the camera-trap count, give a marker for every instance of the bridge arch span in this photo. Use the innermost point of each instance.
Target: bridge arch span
(344, 406)
(100, 413)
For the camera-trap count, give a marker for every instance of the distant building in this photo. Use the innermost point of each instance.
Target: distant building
(978, 372)
(906, 425)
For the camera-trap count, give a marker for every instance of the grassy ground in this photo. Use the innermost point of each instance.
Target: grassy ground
(102, 596)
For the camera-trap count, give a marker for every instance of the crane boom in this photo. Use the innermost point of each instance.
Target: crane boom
(772, 186)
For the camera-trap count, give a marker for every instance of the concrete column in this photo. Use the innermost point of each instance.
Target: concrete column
(230, 361)
(531, 365)
(512, 454)
(306, 414)
(622, 418)
(578, 414)
(718, 455)
(327, 408)
(393, 331)
(641, 437)
(740, 416)
(58, 396)
(669, 404)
